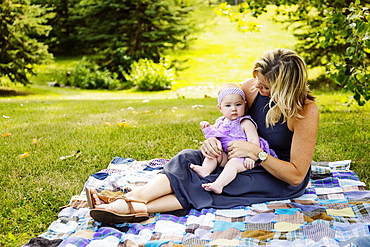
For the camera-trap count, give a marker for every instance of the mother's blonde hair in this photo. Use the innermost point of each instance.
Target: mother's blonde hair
(286, 75)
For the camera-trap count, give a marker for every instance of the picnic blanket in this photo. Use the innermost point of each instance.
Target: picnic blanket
(334, 211)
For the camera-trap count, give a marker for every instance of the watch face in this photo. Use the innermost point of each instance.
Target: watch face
(262, 155)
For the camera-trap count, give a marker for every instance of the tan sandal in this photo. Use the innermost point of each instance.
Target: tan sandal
(110, 217)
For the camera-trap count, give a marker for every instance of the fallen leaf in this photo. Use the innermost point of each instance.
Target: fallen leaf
(107, 123)
(7, 134)
(35, 141)
(5, 116)
(134, 112)
(25, 155)
(122, 124)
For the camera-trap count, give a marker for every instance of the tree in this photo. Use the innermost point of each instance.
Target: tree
(334, 34)
(121, 32)
(62, 39)
(19, 53)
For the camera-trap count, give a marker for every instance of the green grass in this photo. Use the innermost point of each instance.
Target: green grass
(66, 121)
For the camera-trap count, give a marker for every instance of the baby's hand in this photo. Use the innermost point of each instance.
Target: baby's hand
(249, 163)
(204, 124)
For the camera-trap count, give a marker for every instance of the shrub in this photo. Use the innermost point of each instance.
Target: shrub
(150, 76)
(88, 75)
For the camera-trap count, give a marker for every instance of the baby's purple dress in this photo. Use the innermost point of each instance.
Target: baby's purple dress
(228, 131)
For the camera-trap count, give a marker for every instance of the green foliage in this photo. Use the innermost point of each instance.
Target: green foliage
(332, 34)
(19, 53)
(88, 75)
(350, 68)
(150, 76)
(224, 9)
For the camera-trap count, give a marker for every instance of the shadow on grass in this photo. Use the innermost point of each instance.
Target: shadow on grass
(5, 92)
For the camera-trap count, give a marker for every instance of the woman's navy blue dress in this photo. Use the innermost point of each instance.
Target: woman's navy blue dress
(250, 186)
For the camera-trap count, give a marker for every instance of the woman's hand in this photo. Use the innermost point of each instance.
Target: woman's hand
(239, 149)
(211, 148)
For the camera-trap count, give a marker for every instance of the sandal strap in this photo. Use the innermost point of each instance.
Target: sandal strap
(129, 202)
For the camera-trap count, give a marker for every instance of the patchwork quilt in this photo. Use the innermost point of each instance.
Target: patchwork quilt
(334, 211)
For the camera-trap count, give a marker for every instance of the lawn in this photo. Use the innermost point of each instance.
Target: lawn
(59, 136)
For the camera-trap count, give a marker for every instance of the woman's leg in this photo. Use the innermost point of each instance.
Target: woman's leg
(157, 195)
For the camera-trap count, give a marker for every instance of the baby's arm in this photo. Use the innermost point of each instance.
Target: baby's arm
(204, 124)
(250, 131)
(252, 136)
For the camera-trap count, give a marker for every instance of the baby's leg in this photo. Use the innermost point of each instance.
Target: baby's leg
(232, 167)
(209, 165)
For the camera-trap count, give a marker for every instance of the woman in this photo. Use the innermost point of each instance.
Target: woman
(286, 116)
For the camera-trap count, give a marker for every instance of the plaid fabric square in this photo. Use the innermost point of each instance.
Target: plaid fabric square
(351, 220)
(78, 204)
(191, 228)
(252, 242)
(278, 205)
(314, 212)
(229, 219)
(346, 175)
(362, 230)
(326, 183)
(157, 163)
(361, 210)
(331, 196)
(290, 236)
(320, 170)
(310, 191)
(353, 188)
(156, 236)
(121, 161)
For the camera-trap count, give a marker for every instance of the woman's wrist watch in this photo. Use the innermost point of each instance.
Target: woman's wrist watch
(262, 156)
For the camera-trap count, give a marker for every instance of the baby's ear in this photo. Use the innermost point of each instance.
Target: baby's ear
(219, 107)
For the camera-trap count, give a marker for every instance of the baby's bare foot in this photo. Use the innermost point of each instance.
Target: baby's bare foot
(201, 171)
(213, 187)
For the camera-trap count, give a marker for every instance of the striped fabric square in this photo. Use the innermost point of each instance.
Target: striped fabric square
(259, 226)
(230, 233)
(318, 231)
(296, 218)
(336, 205)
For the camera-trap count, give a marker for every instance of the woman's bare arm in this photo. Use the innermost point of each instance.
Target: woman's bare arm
(302, 148)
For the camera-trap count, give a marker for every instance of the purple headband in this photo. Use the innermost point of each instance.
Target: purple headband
(230, 90)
